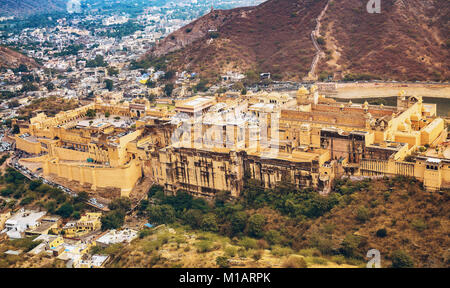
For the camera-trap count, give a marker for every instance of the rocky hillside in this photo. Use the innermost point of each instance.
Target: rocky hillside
(12, 59)
(28, 7)
(408, 40)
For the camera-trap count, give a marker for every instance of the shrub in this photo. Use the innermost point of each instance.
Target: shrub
(65, 210)
(161, 214)
(256, 225)
(112, 220)
(222, 262)
(248, 243)
(144, 233)
(381, 233)
(362, 214)
(262, 244)
(338, 259)
(281, 251)
(349, 245)
(204, 246)
(419, 225)
(230, 251)
(238, 222)
(401, 260)
(257, 255)
(295, 261)
(209, 223)
(318, 260)
(273, 237)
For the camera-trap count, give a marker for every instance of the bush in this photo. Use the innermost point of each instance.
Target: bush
(257, 255)
(222, 262)
(161, 214)
(362, 214)
(349, 245)
(295, 261)
(112, 220)
(204, 246)
(193, 218)
(144, 233)
(65, 210)
(419, 225)
(26, 244)
(338, 259)
(248, 243)
(273, 237)
(230, 251)
(209, 223)
(122, 203)
(381, 233)
(238, 222)
(256, 225)
(401, 260)
(281, 251)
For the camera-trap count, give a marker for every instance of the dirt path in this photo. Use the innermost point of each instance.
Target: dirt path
(319, 53)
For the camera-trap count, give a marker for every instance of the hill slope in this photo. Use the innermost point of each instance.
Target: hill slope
(12, 59)
(407, 41)
(28, 7)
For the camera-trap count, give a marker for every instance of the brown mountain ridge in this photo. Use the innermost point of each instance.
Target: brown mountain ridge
(12, 59)
(408, 40)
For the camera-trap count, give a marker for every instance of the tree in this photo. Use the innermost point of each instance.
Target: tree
(349, 245)
(256, 225)
(112, 71)
(35, 184)
(65, 210)
(50, 86)
(150, 84)
(90, 113)
(109, 84)
(209, 223)
(168, 89)
(238, 222)
(222, 262)
(362, 214)
(123, 204)
(193, 218)
(161, 214)
(273, 237)
(381, 233)
(112, 220)
(400, 259)
(16, 129)
(82, 197)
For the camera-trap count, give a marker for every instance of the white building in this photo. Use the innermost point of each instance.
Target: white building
(22, 221)
(117, 236)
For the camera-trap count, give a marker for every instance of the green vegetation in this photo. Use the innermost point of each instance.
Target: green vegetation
(157, 63)
(98, 61)
(400, 259)
(3, 159)
(71, 50)
(35, 193)
(109, 84)
(115, 218)
(121, 30)
(90, 113)
(168, 89)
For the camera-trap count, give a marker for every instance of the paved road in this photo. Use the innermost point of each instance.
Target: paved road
(13, 162)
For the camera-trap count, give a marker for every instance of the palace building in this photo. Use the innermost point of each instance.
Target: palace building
(206, 145)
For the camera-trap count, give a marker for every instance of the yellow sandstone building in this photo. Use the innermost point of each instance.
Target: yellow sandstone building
(207, 144)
